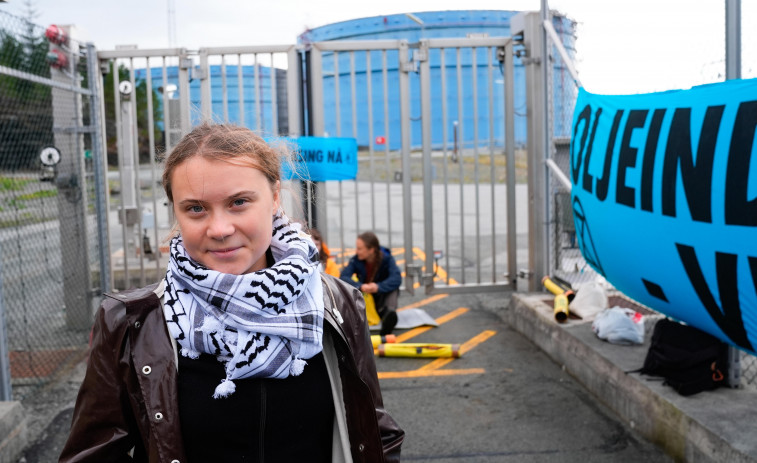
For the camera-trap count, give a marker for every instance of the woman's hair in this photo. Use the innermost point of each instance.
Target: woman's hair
(225, 142)
(323, 254)
(371, 242)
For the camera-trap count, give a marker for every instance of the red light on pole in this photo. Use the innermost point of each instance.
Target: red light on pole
(57, 59)
(380, 140)
(56, 35)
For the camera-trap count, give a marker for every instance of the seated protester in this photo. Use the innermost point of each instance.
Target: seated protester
(327, 264)
(377, 274)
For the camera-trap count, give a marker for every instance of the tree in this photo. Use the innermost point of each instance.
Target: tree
(25, 107)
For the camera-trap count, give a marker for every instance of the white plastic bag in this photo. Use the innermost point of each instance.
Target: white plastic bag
(590, 300)
(618, 325)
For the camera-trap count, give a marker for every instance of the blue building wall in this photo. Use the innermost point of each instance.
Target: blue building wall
(439, 24)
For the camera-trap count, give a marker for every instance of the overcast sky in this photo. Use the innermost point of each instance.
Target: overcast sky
(623, 46)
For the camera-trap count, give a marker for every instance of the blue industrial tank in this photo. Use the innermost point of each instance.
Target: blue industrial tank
(255, 115)
(434, 24)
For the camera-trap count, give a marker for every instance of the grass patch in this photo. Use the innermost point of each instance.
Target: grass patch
(37, 195)
(13, 184)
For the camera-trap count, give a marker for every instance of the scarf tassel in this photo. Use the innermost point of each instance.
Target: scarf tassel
(227, 386)
(297, 366)
(225, 389)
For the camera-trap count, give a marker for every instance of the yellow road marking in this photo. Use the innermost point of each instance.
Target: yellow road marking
(433, 368)
(473, 342)
(466, 347)
(423, 302)
(419, 373)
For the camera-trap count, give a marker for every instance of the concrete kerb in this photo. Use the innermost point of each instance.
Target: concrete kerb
(716, 426)
(14, 432)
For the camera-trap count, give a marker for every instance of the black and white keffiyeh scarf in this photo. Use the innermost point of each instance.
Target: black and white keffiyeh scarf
(262, 324)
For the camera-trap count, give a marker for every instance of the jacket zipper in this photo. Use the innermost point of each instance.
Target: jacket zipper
(261, 436)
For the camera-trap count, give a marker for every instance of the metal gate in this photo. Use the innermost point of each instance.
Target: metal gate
(439, 189)
(158, 96)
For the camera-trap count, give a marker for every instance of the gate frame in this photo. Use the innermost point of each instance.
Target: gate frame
(420, 64)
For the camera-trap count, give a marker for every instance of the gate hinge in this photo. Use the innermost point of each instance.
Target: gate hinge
(410, 66)
(420, 54)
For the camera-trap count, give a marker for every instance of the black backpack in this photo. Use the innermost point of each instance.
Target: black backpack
(688, 359)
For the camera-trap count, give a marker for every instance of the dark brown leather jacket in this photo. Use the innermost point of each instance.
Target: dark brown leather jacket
(127, 403)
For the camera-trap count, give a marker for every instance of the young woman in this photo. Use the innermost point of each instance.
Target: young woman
(327, 263)
(377, 274)
(244, 352)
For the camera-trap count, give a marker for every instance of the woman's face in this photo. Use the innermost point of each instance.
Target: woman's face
(362, 251)
(317, 243)
(225, 213)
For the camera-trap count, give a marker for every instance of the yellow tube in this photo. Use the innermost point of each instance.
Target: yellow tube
(554, 288)
(561, 308)
(419, 350)
(378, 339)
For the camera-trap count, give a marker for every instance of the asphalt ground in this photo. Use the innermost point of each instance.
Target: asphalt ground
(503, 400)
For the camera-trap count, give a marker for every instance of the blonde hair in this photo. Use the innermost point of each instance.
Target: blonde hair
(225, 142)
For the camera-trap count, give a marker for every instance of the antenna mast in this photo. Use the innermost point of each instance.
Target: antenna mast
(171, 23)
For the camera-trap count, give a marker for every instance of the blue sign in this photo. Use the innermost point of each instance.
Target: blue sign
(319, 159)
(664, 195)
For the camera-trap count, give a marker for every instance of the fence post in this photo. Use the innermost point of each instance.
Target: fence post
(733, 71)
(5, 361)
(317, 199)
(99, 161)
(534, 62)
(72, 198)
(405, 66)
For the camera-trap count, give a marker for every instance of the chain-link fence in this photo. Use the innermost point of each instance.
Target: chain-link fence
(566, 261)
(48, 222)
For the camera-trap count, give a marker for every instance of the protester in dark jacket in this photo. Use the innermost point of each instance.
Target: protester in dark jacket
(373, 270)
(244, 351)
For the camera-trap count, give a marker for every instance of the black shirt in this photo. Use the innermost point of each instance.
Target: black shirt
(264, 420)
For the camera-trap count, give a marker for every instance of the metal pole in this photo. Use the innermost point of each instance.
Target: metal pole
(535, 62)
(294, 92)
(206, 99)
(98, 158)
(72, 199)
(733, 39)
(546, 144)
(5, 363)
(185, 117)
(405, 67)
(315, 111)
(733, 71)
(512, 244)
(428, 212)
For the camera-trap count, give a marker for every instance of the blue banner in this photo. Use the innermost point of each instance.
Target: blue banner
(319, 159)
(664, 195)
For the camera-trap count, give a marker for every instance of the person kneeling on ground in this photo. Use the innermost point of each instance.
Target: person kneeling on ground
(377, 274)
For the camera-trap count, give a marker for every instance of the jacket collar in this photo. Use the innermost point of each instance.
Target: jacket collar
(138, 302)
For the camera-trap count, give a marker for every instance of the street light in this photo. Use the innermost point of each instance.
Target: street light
(417, 20)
